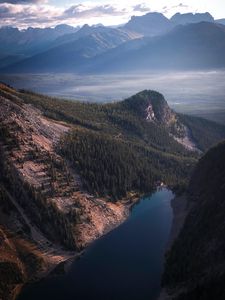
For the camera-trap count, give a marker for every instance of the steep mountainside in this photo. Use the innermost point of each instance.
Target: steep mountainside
(16, 45)
(116, 35)
(192, 46)
(195, 267)
(31, 40)
(71, 52)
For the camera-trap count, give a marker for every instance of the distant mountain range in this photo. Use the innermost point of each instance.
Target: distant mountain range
(152, 41)
(31, 40)
(18, 44)
(192, 46)
(75, 52)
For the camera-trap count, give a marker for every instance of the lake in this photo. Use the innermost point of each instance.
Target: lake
(127, 263)
(200, 93)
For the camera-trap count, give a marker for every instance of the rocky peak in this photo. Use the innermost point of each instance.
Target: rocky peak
(153, 107)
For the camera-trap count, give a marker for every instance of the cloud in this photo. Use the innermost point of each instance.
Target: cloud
(39, 13)
(47, 15)
(142, 7)
(180, 6)
(86, 11)
(27, 15)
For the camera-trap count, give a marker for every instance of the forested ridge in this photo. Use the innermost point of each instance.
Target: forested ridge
(116, 150)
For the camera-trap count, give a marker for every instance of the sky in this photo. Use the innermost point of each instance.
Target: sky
(49, 13)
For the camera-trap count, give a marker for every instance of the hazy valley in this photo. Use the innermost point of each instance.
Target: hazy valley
(199, 93)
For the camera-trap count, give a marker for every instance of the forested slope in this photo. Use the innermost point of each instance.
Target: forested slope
(70, 171)
(130, 145)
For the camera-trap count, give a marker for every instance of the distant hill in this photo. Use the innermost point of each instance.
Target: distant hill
(182, 19)
(195, 264)
(150, 24)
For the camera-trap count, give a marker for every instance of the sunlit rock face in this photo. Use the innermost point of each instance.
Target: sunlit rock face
(150, 113)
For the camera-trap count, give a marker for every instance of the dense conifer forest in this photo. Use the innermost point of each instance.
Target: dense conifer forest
(115, 150)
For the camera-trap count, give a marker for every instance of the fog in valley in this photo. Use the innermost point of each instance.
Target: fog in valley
(199, 93)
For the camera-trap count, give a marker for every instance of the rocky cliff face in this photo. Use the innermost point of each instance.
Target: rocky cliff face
(44, 209)
(195, 267)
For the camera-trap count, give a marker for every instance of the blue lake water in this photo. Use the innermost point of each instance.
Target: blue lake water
(127, 263)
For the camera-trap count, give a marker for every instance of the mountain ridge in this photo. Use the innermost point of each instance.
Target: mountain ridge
(182, 19)
(195, 49)
(151, 24)
(198, 46)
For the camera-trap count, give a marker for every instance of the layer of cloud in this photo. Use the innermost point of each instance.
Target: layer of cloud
(48, 15)
(27, 15)
(39, 13)
(85, 11)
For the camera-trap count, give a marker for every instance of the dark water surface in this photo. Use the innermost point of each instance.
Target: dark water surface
(125, 264)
